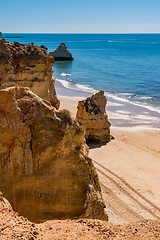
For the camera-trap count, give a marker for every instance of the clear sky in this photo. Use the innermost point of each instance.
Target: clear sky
(80, 16)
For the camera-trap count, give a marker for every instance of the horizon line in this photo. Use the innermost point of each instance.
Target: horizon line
(82, 32)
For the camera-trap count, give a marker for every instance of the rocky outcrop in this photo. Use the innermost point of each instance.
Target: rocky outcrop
(92, 116)
(44, 169)
(62, 53)
(30, 66)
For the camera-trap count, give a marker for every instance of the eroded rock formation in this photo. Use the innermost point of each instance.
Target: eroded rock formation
(44, 169)
(62, 53)
(92, 116)
(30, 66)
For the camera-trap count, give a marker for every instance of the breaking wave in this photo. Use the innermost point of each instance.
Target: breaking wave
(122, 97)
(65, 74)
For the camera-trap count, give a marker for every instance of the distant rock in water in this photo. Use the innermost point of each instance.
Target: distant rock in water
(45, 172)
(92, 116)
(62, 53)
(28, 65)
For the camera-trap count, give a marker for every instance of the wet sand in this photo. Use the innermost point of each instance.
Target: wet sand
(121, 113)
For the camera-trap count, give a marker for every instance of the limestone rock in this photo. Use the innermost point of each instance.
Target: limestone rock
(30, 66)
(44, 169)
(62, 53)
(92, 116)
(4, 203)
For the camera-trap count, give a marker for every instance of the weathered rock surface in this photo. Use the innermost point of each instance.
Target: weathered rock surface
(4, 203)
(30, 66)
(92, 116)
(62, 53)
(44, 169)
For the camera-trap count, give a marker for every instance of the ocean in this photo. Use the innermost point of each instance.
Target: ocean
(125, 66)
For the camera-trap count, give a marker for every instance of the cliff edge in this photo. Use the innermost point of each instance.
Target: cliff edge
(28, 65)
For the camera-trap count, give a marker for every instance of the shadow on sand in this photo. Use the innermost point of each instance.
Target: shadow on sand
(93, 144)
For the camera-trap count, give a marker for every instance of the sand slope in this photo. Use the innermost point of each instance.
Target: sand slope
(128, 168)
(15, 227)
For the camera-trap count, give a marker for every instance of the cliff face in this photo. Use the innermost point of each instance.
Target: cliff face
(92, 116)
(30, 66)
(44, 169)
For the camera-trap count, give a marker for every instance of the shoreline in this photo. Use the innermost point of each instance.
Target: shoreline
(128, 166)
(121, 113)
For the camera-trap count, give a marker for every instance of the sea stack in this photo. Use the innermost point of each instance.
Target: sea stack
(62, 53)
(28, 65)
(92, 116)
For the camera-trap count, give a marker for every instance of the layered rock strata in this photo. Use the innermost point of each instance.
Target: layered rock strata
(30, 66)
(62, 53)
(92, 116)
(44, 169)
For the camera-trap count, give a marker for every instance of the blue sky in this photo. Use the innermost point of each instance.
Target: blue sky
(84, 16)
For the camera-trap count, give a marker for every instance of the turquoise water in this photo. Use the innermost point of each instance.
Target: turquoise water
(123, 65)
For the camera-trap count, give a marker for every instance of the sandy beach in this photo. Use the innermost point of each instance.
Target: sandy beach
(128, 166)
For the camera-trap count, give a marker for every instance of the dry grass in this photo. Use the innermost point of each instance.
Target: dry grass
(65, 115)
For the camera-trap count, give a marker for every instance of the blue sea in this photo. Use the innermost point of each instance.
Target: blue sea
(125, 66)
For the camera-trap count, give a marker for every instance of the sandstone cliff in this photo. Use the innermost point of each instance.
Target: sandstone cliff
(92, 116)
(30, 66)
(62, 53)
(44, 169)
